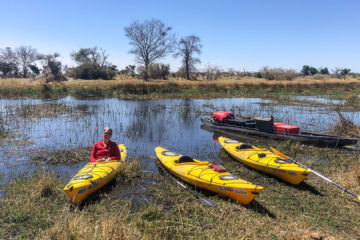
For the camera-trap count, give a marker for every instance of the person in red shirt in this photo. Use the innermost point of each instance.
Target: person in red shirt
(105, 149)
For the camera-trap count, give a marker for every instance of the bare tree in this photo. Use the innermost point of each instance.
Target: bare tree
(104, 58)
(186, 48)
(26, 55)
(151, 40)
(9, 59)
(213, 72)
(8, 55)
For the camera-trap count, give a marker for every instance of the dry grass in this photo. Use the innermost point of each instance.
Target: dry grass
(36, 208)
(62, 156)
(81, 225)
(132, 88)
(224, 81)
(345, 127)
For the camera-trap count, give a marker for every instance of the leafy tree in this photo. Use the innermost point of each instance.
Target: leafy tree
(342, 72)
(66, 69)
(6, 68)
(307, 70)
(151, 40)
(324, 70)
(92, 71)
(345, 71)
(52, 67)
(10, 62)
(113, 68)
(186, 48)
(164, 70)
(91, 55)
(129, 70)
(26, 56)
(313, 70)
(93, 64)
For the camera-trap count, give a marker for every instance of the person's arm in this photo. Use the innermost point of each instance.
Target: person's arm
(93, 154)
(115, 152)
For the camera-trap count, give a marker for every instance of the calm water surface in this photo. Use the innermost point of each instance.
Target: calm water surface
(141, 125)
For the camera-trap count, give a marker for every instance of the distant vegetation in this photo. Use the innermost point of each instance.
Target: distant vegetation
(150, 42)
(92, 64)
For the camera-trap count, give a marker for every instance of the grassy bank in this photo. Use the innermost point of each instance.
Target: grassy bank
(36, 208)
(128, 88)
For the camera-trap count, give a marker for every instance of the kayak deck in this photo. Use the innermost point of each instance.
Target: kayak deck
(265, 160)
(201, 174)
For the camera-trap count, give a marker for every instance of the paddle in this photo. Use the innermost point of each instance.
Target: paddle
(204, 201)
(316, 173)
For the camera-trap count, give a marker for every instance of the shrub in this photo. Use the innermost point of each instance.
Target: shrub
(159, 71)
(318, 76)
(307, 70)
(181, 73)
(92, 71)
(156, 71)
(258, 75)
(7, 69)
(277, 73)
(345, 127)
(324, 70)
(212, 72)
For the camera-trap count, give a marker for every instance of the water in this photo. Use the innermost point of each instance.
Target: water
(140, 124)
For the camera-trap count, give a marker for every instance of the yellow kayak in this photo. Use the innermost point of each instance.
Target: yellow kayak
(92, 177)
(208, 176)
(265, 160)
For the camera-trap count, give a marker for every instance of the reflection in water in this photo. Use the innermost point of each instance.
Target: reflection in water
(141, 125)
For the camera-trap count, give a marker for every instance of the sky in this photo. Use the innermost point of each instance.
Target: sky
(242, 35)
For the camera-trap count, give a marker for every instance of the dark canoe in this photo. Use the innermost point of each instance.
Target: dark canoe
(303, 137)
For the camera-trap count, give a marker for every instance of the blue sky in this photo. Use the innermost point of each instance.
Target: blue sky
(243, 34)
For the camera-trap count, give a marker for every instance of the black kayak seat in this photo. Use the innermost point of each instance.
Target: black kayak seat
(184, 159)
(244, 146)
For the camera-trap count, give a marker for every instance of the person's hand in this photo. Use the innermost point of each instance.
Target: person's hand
(103, 160)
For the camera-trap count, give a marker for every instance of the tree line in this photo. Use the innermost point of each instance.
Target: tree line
(150, 41)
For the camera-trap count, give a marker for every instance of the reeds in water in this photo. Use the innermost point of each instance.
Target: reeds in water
(345, 127)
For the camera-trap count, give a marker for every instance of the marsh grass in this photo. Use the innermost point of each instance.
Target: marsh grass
(353, 99)
(62, 156)
(3, 130)
(130, 171)
(29, 111)
(345, 127)
(36, 208)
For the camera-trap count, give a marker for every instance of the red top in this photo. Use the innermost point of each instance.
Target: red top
(99, 151)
